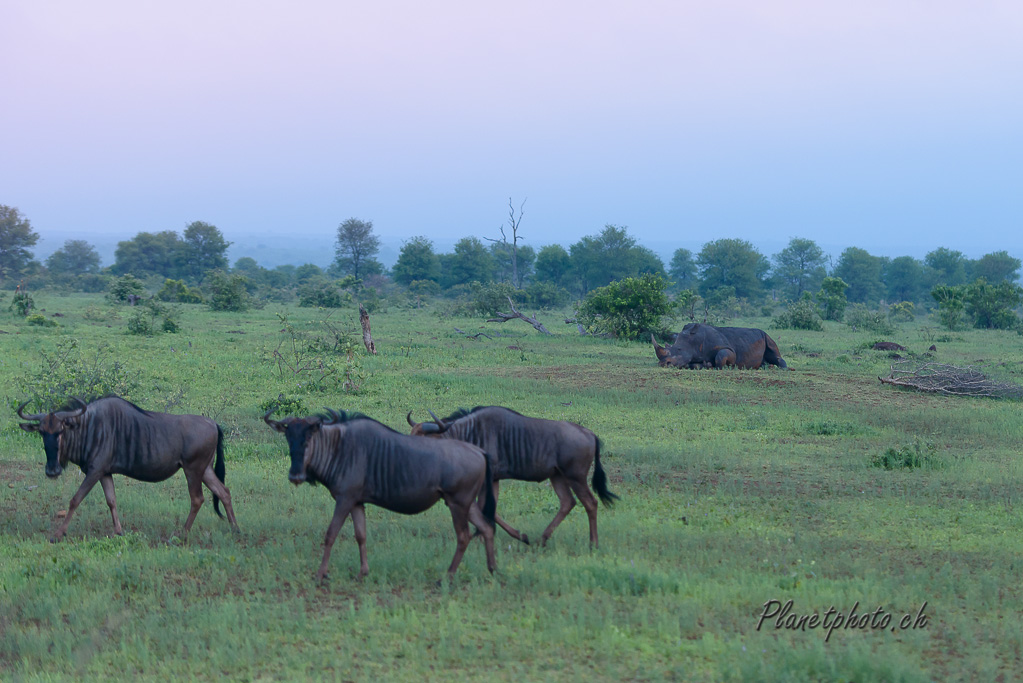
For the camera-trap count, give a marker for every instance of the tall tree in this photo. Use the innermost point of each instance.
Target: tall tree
(682, 269)
(503, 270)
(553, 265)
(800, 267)
(76, 257)
(356, 248)
(862, 272)
(416, 261)
(904, 279)
(16, 236)
(612, 255)
(947, 267)
(732, 263)
(150, 253)
(996, 267)
(470, 262)
(203, 249)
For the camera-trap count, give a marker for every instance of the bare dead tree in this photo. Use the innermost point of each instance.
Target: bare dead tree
(513, 223)
(367, 338)
(505, 317)
(941, 378)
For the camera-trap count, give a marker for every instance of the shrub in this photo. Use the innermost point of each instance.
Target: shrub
(991, 306)
(40, 320)
(177, 291)
(628, 308)
(800, 315)
(546, 295)
(283, 405)
(907, 457)
(487, 299)
(152, 317)
(831, 298)
(903, 311)
(862, 318)
(67, 371)
(951, 305)
(125, 287)
(227, 292)
(22, 302)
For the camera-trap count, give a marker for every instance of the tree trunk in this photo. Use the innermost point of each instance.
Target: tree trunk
(367, 338)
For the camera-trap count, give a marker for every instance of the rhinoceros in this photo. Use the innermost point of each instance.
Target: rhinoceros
(704, 346)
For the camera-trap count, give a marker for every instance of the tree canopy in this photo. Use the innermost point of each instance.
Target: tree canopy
(16, 237)
(356, 248)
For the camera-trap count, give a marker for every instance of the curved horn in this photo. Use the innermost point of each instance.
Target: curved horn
(64, 415)
(408, 418)
(34, 416)
(441, 425)
(273, 423)
(334, 417)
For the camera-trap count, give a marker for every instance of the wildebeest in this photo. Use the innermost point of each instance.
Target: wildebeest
(699, 345)
(362, 461)
(112, 436)
(531, 449)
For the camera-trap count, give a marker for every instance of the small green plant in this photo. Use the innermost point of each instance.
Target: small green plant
(227, 292)
(902, 311)
(951, 306)
(907, 457)
(40, 320)
(22, 302)
(831, 298)
(152, 317)
(283, 405)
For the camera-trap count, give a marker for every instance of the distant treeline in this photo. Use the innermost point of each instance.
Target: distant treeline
(724, 269)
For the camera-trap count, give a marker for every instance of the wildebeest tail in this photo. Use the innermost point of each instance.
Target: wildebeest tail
(599, 480)
(218, 469)
(489, 501)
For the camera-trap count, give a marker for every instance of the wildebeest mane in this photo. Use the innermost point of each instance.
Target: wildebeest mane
(141, 410)
(463, 412)
(343, 417)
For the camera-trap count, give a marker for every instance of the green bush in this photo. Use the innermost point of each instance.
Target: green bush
(22, 302)
(546, 295)
(283, 405)
(903, 311)
(951, 305)
(67, 371)
(125, 287)
(177, 291)
(860, 317)
(152, 317)
(831, 298)
(800, 315)
(227, 292)
(40, 320)
(487, 299)
(908, 457)
(990, 306)
(629, 308)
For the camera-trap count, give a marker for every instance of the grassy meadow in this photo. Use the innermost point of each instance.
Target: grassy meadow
(737, 488)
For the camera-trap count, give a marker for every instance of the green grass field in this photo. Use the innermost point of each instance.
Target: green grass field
(737, 488)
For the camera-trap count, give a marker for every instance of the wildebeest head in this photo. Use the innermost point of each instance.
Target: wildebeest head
(435, 428)
(51, 427)
(298, 431)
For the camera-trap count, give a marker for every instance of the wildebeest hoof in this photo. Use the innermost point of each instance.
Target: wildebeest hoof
(55, 539)
(524, 538)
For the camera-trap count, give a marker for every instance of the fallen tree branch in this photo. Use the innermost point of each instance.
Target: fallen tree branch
(941, 378)
(505, 317)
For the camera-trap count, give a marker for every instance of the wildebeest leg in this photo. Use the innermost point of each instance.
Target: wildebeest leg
(195, 496)
(107, 482)
(514, 533)
(76, 500)
(476, 517)
(460, 519)
(341, 510)
(567, 503)
(589, 501)
(359, 522)
(219, 489)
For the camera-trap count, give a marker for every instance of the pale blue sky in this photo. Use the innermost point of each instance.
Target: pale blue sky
(893, 126)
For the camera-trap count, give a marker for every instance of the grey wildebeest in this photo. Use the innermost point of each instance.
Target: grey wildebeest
(362, 461)
(531, 449)
(112, 436)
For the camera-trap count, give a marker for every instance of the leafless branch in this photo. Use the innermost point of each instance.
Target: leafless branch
(941, 378)
(505, 317)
